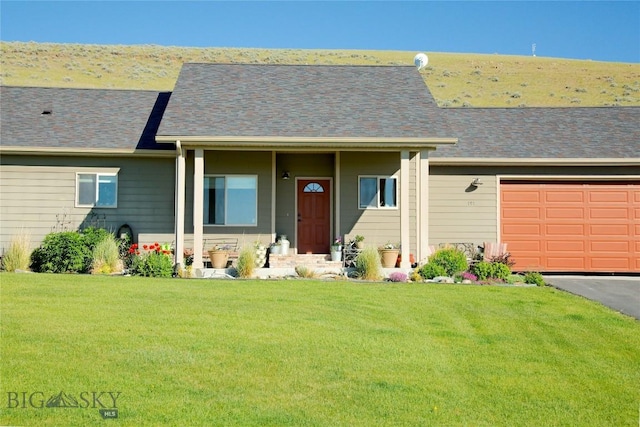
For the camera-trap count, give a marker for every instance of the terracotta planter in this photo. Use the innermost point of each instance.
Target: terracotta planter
(389, 257)
(360, 245)
(219, 259)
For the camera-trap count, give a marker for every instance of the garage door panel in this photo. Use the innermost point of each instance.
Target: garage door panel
(564, 230)
(609, 213)
(521, 196)
(566, 246)
(610, 247)
(609, 230)
(609, 196)
(559, 196)
(572, 226)
(565, 213)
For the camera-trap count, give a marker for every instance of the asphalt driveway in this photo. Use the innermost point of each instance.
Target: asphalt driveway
(619, 293)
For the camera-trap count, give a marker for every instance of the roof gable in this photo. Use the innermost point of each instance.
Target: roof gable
(239, 100)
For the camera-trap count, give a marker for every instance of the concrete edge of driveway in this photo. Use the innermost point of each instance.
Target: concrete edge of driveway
(620, 293)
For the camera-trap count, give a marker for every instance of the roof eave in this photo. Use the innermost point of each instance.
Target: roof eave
(75, 151)
(306, 143)
(537, 161)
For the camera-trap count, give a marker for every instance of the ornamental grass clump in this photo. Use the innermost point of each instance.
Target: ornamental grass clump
(18, 256)
(106, 256)
(368, 265)
(246, 262)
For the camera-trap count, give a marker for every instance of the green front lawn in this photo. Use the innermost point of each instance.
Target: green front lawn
(211, 352)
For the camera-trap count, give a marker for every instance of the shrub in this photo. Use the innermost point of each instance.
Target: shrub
(153, 262)
(368, 265)
(491, 270)
(398, 276)
(500, 271)
(534, 278)
(63, 252)
(452, 260)
(106, 256)
(305, 272)
(431, 270)
(18, 256)
(246, 262)
(482, 270)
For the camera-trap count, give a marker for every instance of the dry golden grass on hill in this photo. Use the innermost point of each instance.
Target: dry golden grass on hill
(456, 80)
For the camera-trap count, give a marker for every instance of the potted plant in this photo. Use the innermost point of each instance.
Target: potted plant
(219, 256)
(276, 248)
(389, 255)
(359, 240)
(336, 249)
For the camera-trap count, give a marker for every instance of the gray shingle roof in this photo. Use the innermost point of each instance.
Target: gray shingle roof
(582, 132)
(301, 101)
(81, 118)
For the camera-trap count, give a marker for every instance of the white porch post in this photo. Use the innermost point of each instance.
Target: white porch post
(423, 206)
(198, 206)
(336, 189)
(274, 195)
(180, 201)
(404, 210)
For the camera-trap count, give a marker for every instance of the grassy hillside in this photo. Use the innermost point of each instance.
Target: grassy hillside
(456, 80)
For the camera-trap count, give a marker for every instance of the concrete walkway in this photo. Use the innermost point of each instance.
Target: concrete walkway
(621, 293)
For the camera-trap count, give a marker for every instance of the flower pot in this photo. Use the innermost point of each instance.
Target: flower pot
(336, 253)
(389, 257)
(219, 259)
(360, 245)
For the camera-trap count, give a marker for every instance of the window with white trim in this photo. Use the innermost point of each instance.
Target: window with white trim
(98, 190)
(377, 192)
(231, 200)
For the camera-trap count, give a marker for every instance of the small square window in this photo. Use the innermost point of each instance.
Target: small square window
(96, 190)
(377, 192)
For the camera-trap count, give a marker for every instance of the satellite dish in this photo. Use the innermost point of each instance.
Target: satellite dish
(421, 60)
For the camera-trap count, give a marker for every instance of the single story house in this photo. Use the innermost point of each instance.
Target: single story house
(250, 152)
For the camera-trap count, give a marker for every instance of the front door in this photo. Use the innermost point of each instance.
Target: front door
(314, 216)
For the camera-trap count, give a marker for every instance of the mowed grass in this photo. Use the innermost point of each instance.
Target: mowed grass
(298, 352)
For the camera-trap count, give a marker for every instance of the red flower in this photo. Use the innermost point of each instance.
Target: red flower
(145, 247)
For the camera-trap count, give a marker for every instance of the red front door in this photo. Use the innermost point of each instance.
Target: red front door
(314, 216)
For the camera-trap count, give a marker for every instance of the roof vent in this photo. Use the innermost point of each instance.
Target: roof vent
(47, 112)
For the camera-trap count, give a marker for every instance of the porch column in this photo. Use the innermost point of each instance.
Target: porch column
(336, 192)
(404, 210)
(198, 206)
(180, 201)
(423, 206)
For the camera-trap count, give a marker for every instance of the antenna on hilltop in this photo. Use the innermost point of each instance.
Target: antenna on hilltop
(533, 49)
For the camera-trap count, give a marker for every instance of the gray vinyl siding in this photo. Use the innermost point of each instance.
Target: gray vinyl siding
(37, 195)
(378, 226)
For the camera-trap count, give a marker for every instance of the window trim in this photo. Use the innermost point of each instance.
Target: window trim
(97, 177)
(378, 178)
(226, 176)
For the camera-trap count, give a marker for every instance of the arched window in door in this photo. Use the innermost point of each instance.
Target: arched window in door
(313, 187)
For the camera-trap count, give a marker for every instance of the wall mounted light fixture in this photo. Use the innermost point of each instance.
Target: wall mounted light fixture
(476, 182)
(285, 175)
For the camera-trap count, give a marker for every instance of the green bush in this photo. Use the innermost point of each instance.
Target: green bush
(452, 260)
(491, 270)
(153, 262)
(246, 261)
(91, 237)
(18, 256)
(534, 278)
(483, 270)
(63, 252)
(500, 271)
(431, 270)
(368, 265)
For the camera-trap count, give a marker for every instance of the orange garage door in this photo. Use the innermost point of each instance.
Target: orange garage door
(567, 226)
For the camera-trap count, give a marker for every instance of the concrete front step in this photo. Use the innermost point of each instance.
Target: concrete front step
(312, 261)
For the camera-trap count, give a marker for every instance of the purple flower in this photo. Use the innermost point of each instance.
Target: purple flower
(398, 276)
